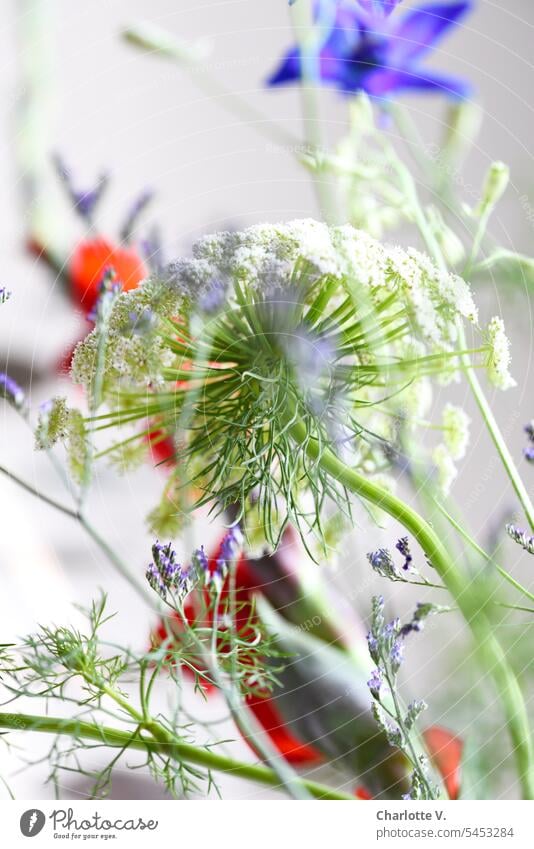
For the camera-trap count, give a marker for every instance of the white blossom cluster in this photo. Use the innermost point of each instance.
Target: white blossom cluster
(455, 425)
(261, 260)
(499, 356)
(132, 357)
(263, 257)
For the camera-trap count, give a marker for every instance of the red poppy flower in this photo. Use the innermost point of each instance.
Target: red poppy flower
(162, 448)
(294, 750)
(89, 262)
(443, 747)
(446, 752)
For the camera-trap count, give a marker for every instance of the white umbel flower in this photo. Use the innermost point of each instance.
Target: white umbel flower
(499, 357)
(456, 430)
(447, 471)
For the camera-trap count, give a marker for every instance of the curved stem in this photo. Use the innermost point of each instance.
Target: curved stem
(459, 585)
(178, 750)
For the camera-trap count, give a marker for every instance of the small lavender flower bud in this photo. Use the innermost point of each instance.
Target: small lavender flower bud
(201, 565)
(528, 452)
(415, 709)
(4, 295)
(403, 547)
(521, 538)
(396, 655)
(84, 201)
(394, 735)
(372, 644)
(382, 562)
(375, 682)
(229, 547)
(134, 213)
(165, 574)
(11, 391)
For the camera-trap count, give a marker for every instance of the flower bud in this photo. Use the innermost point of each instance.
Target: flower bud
(495, 185)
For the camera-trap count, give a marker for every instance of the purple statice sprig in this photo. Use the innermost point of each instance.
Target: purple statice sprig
(84, 201)
(166, 575)
(386, 643)
(5, 295)
(528, 451)
(134, 213)
(228, 552)
(403, 547)
(11, 391)
(382, 562)
(520, 537)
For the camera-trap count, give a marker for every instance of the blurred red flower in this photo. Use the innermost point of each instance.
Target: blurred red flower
(443, 747)
(90, 260)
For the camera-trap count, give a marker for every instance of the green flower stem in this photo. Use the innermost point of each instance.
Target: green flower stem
(495, 432)
(468, 538)
(308, 40)
(35, 118)
(459, 585)
(176, 749)
(159, 42)
(420, 219)
(244, 719)
(79, 517)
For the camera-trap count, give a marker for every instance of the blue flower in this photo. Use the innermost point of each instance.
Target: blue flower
(364, 49)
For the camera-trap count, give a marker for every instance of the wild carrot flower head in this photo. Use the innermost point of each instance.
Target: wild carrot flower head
(319, 326)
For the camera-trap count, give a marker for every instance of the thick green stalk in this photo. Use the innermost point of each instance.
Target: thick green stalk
(178, 750)
(459, 585)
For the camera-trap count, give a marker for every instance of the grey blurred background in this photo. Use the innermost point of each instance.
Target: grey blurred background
(111, 108)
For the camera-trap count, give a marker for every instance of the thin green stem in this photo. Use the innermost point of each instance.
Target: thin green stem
(486, 412)
(243, 718)
(459, 585)
(496, 435)
(177, 750)
(468, 538)
(158, 42)
(38, 494)
(111, 555)
(308, 36)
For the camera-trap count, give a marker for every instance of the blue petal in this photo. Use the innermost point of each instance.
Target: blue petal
(384, 6)
(331, 68)
(289, 69)
(383, 83)
(419, 30)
